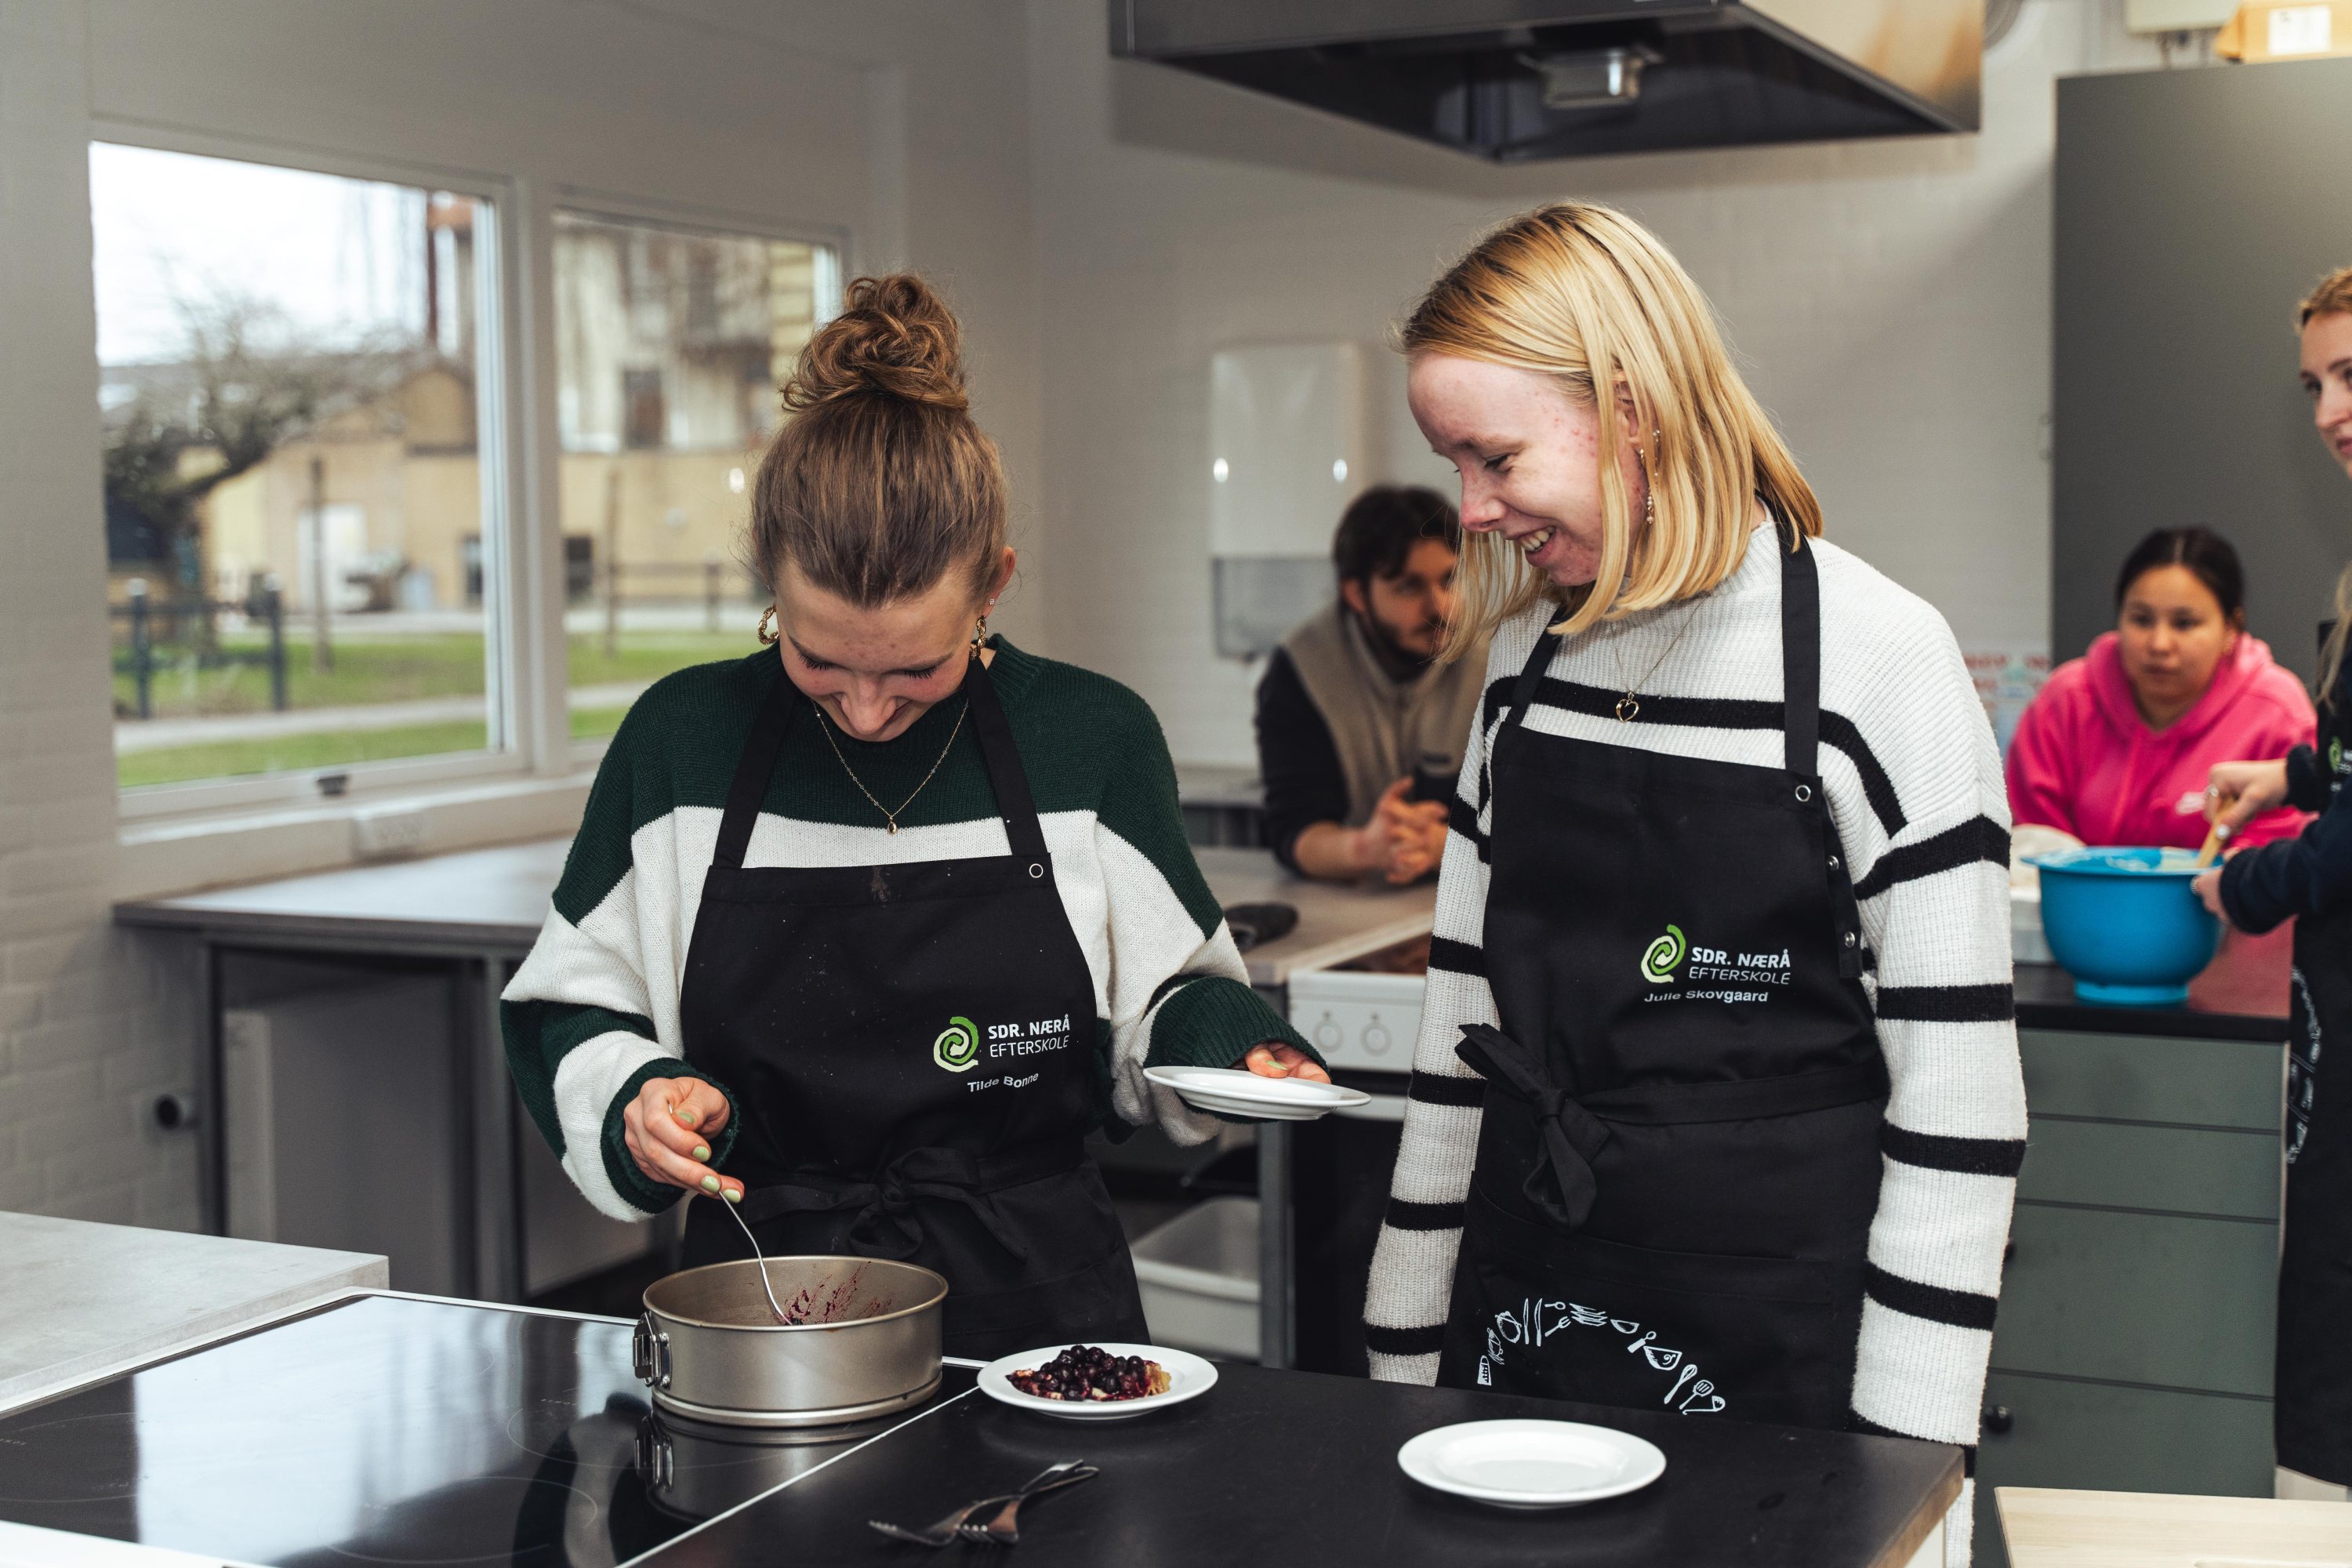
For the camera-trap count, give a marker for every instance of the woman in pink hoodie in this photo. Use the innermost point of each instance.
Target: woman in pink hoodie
(2118, 746)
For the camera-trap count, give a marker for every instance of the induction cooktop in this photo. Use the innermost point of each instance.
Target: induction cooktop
(387, 1430)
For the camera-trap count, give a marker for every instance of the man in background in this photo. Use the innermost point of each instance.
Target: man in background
(1359, 732)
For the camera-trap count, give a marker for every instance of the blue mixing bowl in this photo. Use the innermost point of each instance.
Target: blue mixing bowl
(2124, 923)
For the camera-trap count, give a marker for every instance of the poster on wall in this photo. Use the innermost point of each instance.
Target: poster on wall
(2007, 679)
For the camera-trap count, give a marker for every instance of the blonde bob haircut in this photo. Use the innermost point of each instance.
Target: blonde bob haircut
(1588, 296)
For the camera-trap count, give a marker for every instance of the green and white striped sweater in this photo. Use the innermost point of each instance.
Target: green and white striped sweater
(592, 1013)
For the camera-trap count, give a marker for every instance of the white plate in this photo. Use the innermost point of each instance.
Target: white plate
(1189, 1377)
(1236, 1092)
(1531, 1464)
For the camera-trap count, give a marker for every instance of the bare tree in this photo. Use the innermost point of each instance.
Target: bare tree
(247, 386)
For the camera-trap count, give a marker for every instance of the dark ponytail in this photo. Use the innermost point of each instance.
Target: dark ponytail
(2208, 556)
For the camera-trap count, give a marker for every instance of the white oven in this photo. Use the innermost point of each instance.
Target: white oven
(1358, 1021)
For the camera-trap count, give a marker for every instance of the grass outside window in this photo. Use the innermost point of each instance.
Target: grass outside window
(371, 673)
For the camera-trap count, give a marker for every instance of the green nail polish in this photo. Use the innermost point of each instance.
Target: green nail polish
(710, 1183)
(702, 1151)
(685, 1118)
(734, 1194)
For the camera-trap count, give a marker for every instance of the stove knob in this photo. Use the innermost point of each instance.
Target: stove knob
(1376, 1039)
(1327, 1034)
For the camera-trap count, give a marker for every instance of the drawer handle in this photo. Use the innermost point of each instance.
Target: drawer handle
(1998, 1419)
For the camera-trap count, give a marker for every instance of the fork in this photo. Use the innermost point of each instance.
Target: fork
(937, 1534)
(949, 1529)
(762, 1259)
(1003, 1530)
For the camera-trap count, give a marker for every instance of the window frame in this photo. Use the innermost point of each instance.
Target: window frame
(526, 705)
(503, 416)
(838, 263)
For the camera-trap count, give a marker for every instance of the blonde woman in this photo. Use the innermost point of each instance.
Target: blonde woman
(2309, 879)
(1716, 1105)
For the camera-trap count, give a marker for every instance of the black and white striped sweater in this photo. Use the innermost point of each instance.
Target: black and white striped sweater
(1915, 786)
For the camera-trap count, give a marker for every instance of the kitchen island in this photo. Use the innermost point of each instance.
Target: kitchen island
(2133, 1530)
(386, 1428)
(83, 1300)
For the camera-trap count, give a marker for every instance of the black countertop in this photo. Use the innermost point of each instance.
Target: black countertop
(1296, 1466)
(393, 1430)
(2240, 996)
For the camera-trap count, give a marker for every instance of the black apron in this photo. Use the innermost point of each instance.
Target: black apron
(1678, 1161)
(913, 1050)
(2313, 1384)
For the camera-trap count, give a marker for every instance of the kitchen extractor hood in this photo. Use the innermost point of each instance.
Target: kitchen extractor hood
(1519, 79)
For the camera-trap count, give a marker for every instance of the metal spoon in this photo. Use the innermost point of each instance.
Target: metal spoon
(765, 1288)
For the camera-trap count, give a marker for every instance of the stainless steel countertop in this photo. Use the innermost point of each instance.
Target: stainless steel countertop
(1336, 921)
(1218, 785)
(491, 902)
(84, 1301)
(475, 902)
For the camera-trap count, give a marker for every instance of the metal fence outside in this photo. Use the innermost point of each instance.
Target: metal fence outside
(616, 576)
(176, 616)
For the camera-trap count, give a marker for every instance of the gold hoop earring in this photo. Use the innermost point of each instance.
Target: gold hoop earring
(1649, 495)
(980, 636)
(768, 627)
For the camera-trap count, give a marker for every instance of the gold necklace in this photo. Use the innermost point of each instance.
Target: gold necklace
(1629, 707)
(888, 816)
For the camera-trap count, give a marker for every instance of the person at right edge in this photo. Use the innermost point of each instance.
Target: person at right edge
(2309, 877)
(1716, 1106)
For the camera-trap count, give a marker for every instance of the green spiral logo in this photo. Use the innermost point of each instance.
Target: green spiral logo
(958, 1046)
(1659, 959)
(2336, 755)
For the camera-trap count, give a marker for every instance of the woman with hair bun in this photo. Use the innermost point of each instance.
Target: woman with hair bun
(1716, 1106)
(865, 932)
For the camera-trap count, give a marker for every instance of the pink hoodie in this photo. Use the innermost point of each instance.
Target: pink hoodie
(2084, 761)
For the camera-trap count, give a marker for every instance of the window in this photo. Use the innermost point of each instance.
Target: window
(670, 344)
(293, 401)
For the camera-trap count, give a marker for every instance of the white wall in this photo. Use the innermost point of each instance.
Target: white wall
(898, 123)
(1889, 302)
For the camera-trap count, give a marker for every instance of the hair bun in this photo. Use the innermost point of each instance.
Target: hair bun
(894, 336)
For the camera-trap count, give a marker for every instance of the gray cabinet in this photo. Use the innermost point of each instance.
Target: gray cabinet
(2137, 1313)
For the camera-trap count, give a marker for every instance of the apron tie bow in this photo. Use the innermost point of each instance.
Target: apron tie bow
(1571, 1136)
(886, 1225)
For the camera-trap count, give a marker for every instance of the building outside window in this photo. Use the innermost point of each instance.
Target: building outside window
(670, 344)
(293, 406)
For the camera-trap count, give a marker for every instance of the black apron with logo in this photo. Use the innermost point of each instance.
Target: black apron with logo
(2313, 1413)
(913, 1050)
(1678, 1161)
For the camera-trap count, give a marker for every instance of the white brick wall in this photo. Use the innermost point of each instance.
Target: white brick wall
(89, 1024)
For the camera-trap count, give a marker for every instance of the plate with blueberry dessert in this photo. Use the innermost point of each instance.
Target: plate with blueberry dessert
(1102, 1382)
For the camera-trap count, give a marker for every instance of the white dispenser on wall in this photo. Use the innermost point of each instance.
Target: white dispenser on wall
(1290, 446)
